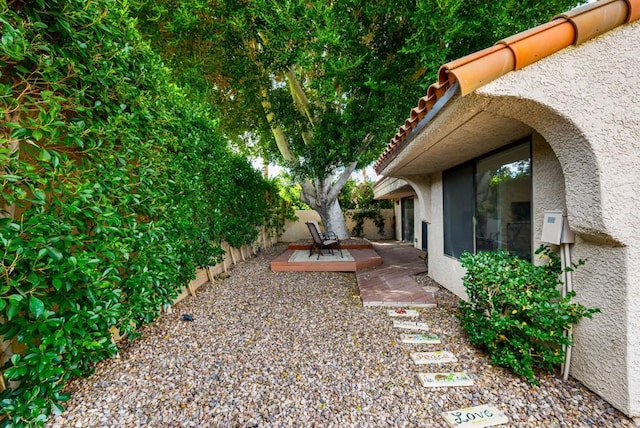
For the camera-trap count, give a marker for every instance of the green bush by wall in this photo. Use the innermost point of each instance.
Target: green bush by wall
(516, 312)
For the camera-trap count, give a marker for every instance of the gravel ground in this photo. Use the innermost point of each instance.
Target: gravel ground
(298, 349)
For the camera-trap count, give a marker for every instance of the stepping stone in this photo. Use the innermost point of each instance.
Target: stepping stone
(477, 417)
(400, 312)
(435, 357)
(419, 338)
(411, 325)
(433, 380)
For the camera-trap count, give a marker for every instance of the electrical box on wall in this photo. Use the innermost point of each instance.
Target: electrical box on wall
(555, 228)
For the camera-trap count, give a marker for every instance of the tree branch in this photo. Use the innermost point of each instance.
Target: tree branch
(300, 99)
(278, 133)
(340, 182)
(309, 194)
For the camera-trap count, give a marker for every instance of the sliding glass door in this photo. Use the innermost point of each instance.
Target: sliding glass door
(487, 203)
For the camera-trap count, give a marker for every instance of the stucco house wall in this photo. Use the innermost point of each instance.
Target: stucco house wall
(397, 212)
(442, 268)
(581, 107)
(590, 116)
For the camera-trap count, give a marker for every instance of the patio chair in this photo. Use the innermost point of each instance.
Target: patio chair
(327, 234)
(320, 241)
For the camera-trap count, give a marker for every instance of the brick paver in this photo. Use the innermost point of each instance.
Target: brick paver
(392, 283)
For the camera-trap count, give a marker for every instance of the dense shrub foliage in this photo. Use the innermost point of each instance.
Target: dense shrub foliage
(359, 199)
(515, 310)
(115, 187)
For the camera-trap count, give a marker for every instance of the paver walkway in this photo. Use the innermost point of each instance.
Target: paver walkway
(392, 283)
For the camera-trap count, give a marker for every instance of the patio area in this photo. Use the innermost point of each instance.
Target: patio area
(385, 270)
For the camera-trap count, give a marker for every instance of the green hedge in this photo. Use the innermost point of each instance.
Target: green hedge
(115, 187)
(515, 310)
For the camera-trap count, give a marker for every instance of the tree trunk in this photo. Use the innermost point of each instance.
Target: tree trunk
(319, 194)
(322, 196)
(325, 202)
(333, 219)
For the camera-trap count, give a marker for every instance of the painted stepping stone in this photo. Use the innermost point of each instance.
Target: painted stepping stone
(411, 325)
(400, 312)
(419, 338)
(435, 357)
(477, 417)
(433, 380)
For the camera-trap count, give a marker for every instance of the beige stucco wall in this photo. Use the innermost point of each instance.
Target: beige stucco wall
(297, 229)
(548, 185)
(421, 206)
(397, 212)
(585, 101)
(583, 105)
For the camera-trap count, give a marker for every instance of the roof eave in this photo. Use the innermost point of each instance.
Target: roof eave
(449, 94)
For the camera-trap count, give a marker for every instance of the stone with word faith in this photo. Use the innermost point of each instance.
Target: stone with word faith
(419, 338)
(401, 312)
(435, 357)
(411, 325)
(477, 417)
(433, 380)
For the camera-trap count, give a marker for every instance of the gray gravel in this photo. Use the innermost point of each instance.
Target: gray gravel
(298, 349)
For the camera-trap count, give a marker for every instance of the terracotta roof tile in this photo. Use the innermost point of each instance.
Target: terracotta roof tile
(531, 45)
(634, 11)
(597, 18)
(513, 53)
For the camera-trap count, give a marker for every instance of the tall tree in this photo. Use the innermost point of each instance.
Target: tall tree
(319, 86)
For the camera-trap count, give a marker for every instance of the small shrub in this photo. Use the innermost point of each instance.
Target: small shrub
(515, 310)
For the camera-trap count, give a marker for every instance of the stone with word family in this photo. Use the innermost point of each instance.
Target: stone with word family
(401, 312)
(419, 338)
(411, 325)
(477, 417)
(435, 357)
(433, 380)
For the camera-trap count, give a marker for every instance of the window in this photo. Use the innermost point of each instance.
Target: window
(407, 220)
(494, 194)
(458, 210)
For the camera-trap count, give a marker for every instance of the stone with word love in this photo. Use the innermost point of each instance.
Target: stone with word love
(419, 338)
(411, 325)
(477, 417)
(401, 312)
(435, 357)
(434, 380)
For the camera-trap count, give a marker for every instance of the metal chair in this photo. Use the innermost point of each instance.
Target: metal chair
(321, 242)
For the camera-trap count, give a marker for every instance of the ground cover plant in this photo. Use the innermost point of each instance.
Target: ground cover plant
(115, 187)
(516, 311)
